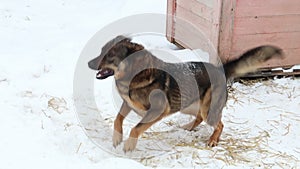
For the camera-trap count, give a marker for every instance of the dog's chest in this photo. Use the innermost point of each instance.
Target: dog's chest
(136, 104)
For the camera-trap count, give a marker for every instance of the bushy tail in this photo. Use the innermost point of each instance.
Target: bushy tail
(251, 61)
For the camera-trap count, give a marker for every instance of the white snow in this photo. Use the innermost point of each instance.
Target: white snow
(40, 44)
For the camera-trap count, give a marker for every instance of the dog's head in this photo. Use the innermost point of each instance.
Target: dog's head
(112, 55)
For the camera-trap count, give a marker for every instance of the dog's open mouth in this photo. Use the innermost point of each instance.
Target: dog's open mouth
(104, 73)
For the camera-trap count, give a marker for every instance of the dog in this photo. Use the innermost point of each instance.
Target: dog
(155, 89)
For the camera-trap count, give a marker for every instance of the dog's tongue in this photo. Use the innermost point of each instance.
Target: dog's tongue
(104, 73)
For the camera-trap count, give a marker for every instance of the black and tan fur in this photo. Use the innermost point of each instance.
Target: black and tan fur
(154, 93)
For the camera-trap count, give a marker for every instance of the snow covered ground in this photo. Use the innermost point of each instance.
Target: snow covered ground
(40, 44)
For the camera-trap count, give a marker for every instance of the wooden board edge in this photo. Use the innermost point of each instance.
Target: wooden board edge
(228, 9)
(170, 28)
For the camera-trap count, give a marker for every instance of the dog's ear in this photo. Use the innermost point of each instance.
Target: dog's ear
(133, 47)
(137, 47)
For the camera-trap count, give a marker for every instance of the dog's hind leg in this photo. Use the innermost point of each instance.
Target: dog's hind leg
(159, 109)
(202, 111)
(118, 123)
(190, 126)
(205, 108)
(215, 137)
(194, 110)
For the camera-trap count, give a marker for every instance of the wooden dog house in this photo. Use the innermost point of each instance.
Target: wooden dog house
(235, 26)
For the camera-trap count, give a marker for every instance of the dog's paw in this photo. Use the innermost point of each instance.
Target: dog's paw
(130, 144)
(212, 143)
(117, 138)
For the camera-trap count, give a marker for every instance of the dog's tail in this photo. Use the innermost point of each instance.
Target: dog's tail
(251, 61)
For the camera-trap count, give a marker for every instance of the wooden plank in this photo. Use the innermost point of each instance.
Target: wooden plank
(205, 24)
(266, 7)
(197, 8)
(226, 28)
(208, 3)
(267, 24)
(215, 36)
(284, 40)
(171, 9)
(185, 16)
(210, 27)
(193, 40)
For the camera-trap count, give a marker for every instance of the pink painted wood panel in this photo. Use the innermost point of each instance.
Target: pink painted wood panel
(285, 40)
(288, 41)
(266, 7)
(205, 18)
(199, 9)
(191, 40)
(186, 16)
(189, 16)
(235, 26)
(267, 24)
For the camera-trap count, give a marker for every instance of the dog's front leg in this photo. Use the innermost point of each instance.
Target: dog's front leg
(118, 123)
(159, 109)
